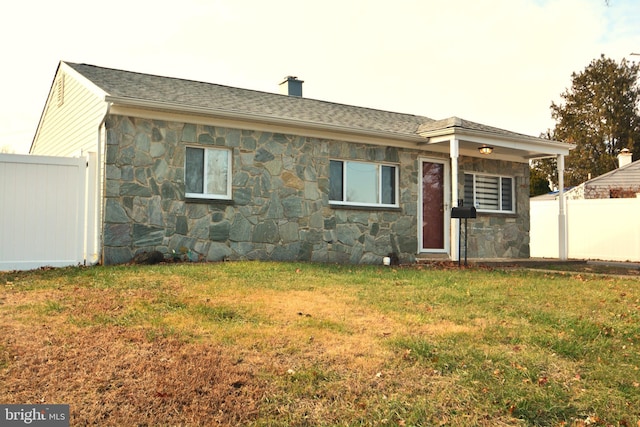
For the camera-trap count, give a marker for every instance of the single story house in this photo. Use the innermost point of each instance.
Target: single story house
(216, 172)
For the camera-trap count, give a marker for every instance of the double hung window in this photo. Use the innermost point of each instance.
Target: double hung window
(207, 173)
(363, 184)
(489, 193)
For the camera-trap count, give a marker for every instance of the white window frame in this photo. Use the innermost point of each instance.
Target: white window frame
(378, 165)
(500, 200)
(203, 195)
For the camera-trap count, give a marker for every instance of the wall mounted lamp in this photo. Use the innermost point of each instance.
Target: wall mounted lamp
(485, 149)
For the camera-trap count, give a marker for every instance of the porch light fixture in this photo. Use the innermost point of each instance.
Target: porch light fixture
(485, 149)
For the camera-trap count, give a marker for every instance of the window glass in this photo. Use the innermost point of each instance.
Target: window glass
(489, 193)
(217, 168)
(194, 170)
(469, 200)
(207, 173)
(388, 185)
(335, 180)
(362, 182)
(507, 194)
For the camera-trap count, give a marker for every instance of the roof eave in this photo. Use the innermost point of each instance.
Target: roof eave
(546, 147)
(253, 117)
(541, 148)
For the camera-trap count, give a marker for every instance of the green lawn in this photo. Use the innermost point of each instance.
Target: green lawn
(286, 344)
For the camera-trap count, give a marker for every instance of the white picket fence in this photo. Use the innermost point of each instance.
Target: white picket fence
(47, 211)
(597, 229)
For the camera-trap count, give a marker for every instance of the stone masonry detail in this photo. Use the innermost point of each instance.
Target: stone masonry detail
(497, 235)
(280, 208)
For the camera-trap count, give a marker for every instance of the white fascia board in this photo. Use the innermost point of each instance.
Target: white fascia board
(88, 84)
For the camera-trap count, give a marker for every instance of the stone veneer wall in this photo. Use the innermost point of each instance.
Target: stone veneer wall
(280, 207)
(496, 235)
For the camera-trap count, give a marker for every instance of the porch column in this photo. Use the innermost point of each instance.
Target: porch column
(562, 218)
(454, 153)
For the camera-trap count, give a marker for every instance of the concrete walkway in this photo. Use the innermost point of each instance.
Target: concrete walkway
(538, 263)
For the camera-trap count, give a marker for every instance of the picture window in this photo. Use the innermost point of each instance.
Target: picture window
(363, 183)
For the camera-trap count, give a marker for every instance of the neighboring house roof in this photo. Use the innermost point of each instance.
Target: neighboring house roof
(626, 176)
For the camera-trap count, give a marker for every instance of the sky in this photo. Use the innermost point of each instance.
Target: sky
(496, 62)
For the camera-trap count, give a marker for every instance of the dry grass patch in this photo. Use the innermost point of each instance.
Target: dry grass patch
(279, 344)
(116, 376)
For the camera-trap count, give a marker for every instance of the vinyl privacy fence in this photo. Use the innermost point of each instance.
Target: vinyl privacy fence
(597, 229)
(47, 213)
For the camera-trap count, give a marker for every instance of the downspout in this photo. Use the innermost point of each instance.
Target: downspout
(562, 218)
(454, 152)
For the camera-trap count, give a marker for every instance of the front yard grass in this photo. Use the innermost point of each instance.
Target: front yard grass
(300, 344)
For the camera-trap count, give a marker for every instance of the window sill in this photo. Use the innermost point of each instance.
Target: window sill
(497, 214)
(365, 208)
(209, 201)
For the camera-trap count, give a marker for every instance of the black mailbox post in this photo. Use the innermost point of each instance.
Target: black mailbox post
(461, 212)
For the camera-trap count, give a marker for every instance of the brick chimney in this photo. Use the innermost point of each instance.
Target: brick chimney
(291, 86)
(624, 158)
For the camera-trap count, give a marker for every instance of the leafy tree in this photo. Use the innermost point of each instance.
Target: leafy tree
(538, 182)
(543, 170)
(599, 114)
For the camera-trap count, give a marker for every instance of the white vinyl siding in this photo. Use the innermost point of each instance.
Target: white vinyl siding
(70, 127)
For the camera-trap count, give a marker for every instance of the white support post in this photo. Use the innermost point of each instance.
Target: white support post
(454, 154)
(562, 217)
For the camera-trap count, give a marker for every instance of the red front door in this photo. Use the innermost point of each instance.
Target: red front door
(433, 208)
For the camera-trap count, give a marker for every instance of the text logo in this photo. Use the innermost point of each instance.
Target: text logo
(34, 415)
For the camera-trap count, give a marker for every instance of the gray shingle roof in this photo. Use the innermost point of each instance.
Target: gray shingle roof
(626, 176)
(456, 122)
(188, 93)
(191, 94)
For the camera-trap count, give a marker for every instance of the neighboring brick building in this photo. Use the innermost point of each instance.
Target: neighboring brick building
(623, 182)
